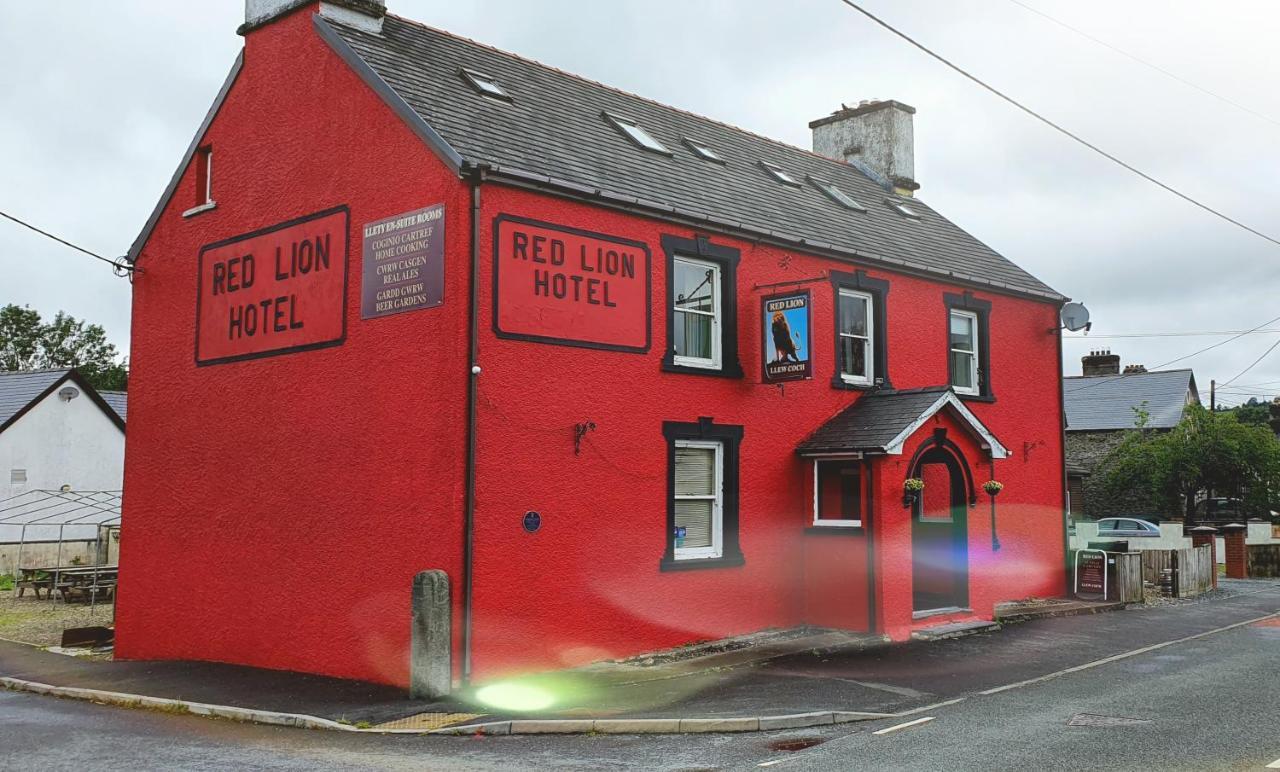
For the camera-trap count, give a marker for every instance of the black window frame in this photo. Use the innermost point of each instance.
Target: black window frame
(982, 310)
(727, 258)
(878, 289)
(730, 438)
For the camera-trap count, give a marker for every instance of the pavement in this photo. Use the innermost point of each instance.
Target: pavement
(1200, 703)
(840, 679)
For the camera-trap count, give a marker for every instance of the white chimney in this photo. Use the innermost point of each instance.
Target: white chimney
(361, 14)
(874, 134)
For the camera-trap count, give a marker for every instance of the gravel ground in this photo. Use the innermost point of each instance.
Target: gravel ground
(41, 622)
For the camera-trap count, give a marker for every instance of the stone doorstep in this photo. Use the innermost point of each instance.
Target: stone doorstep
(954, 630)
(1056, 608)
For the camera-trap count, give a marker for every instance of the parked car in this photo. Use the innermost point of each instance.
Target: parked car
(1126, 527)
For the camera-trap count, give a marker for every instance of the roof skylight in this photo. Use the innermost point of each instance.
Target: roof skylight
(702, 151)
(837, 195)
(902, 209)
(778, 174)
(636, 134)
(485, 84)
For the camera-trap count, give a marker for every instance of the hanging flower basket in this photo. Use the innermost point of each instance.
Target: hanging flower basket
(911, 488)
(993, 487)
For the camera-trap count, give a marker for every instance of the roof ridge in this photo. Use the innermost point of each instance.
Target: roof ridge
(37, 371)
(633, 95)
(1131, 374)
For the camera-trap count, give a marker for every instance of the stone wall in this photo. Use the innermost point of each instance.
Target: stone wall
(1264, 560)
(1089, 450)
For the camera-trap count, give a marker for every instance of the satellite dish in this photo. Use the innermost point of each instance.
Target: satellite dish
(68, 393)
(1075, 317)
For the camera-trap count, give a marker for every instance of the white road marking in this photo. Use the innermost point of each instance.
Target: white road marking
(1125, 655)
(1274, 765)
(927, 708)
(770, 763)
(896, 727)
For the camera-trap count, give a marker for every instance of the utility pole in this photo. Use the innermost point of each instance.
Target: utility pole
(1213, 396)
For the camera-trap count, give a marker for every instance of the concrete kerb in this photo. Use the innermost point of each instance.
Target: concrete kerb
(514, 726)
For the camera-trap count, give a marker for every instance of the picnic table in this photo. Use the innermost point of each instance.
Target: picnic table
(74, 580)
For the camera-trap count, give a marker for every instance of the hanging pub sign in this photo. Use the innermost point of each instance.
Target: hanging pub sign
(787, 338)
(403, 263)
(274, 290)
(572, 287)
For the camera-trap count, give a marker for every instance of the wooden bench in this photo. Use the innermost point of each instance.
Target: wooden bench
(35, 585)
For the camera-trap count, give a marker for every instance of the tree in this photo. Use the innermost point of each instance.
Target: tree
(1206, 451)
(27, 342)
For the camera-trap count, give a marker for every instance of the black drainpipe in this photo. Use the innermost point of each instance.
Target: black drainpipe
(476, 178)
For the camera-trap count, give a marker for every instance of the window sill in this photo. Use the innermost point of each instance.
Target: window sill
(835, 530)
(693, 564)
(724, 371)
(976, 397)
(195, 210)
(840, 383)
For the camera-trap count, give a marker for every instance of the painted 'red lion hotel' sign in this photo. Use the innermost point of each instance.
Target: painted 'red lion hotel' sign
(563, 285)
(275, 290)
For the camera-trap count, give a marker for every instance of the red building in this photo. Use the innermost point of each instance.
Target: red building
(632, 377)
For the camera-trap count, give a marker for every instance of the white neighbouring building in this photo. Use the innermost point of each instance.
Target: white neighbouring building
(56, 430)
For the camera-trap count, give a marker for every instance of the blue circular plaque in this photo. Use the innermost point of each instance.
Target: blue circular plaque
(532, 521)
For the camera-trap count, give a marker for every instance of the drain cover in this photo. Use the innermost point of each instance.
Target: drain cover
(1090, 719)
(796, 743)
(429, 721)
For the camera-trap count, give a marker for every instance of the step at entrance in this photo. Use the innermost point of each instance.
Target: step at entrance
(954, 630)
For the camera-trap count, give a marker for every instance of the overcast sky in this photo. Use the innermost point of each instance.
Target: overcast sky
(101, 98)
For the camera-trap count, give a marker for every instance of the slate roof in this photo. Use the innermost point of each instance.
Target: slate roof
(1106, 402)
(21, 388)
(875, 423)
(553, 134)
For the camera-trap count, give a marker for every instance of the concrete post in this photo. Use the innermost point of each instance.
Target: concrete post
(1203, 535)
(1237, 559)
(431, 664)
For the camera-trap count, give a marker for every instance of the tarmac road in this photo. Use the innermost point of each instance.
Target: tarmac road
(1211, 702)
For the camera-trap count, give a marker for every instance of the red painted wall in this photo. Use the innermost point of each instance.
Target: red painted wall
(595, 560)
(278, 508)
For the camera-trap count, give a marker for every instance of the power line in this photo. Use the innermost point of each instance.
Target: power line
(1188, 356)
(1062, 130)
(1145, 63)
(118, 266)
(1255, 362)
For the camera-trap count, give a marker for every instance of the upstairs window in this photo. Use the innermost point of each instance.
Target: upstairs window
(702, 151)
(702, 312)
(202, 162)
(857, 346)
(837, 493)
(697, 308)
(837, 195)
(861, 342)
(969, 345)
(964, 351)
(779, 174)
(634, 132)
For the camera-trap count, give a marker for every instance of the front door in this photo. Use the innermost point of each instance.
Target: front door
(939, 544)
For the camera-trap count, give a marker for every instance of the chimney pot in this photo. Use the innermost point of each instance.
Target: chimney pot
(878, 134)
(1101, 362)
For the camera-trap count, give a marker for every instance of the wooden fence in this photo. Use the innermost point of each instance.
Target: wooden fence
(1192, 569)
(1129, 575)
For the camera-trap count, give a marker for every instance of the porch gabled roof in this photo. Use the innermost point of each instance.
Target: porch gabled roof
(881, 422)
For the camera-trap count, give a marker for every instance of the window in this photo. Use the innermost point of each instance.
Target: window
(202, 162)
(702, 495)
(902, 208)
(778, 174)
(699, 500)
(702, 151)
(702, 319)
(837, 195)
(485, 85)
(697, 313)
(861, 355)
(856, 348)
(964, 351)
(632, 131)
(17, 476)
(837, 493)
(968, 345)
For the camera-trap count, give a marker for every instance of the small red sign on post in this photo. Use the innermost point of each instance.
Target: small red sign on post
(272, 291)
(553, 284)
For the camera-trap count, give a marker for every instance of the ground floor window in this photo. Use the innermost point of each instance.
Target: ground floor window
(837, 493)
(702, 495)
